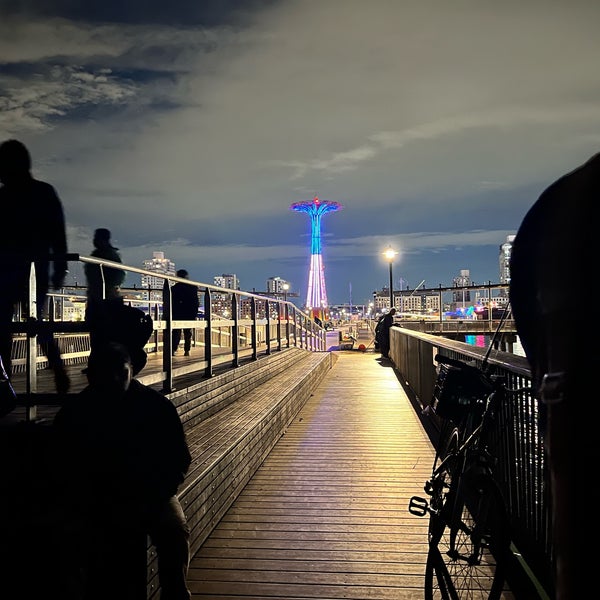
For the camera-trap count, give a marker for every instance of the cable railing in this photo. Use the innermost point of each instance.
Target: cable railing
(232, 325)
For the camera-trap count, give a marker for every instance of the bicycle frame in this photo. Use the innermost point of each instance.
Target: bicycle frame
(468, 531)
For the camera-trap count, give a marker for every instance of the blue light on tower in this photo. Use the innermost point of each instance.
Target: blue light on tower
(316, 295)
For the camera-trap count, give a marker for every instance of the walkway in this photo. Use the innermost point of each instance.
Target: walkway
(325, 516)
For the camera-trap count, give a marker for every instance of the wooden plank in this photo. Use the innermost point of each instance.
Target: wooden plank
(325, 515)
(228, 447)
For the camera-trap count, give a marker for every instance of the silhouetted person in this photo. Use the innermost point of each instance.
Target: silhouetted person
(184, 307)
(103, 282)
(558, 237)
(384, 332)
(122, 454)
(32, 226)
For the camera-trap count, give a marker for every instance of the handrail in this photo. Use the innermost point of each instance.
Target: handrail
(227, 333)
(521, 470)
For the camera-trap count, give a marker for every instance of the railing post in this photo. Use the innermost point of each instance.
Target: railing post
(167, 338)
(268, 332)
(295, 316)
(235, 332)
(208, 372)
(279, 307)
(286, 311)
(32, 318)
(253, 330)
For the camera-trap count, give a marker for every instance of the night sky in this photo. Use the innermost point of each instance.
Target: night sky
(191, 127)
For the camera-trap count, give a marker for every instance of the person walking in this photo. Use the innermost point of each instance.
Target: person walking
(103, 287)
(32, 228)
(184, 307)
(103, 283)
(121, 455)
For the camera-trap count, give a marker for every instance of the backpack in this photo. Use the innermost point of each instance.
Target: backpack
(131, 326)
(128, 325)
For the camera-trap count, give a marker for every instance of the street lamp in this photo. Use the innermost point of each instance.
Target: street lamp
(389, 255)
(285, 287)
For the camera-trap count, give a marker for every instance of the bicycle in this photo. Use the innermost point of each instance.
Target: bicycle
(469, 535)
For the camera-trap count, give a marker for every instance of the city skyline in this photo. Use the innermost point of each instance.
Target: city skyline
(190, 128)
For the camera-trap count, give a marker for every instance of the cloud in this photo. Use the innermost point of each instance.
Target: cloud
(191, 128)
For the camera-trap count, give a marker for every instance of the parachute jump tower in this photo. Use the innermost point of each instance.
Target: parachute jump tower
(316, 295)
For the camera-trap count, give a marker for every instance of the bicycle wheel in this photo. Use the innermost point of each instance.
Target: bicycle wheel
(444, 465)
(468, 549)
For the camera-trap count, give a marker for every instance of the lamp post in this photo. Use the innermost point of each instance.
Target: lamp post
(285, 287)
(389, 255)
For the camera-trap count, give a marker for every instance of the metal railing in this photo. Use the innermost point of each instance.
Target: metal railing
(521, 470)
(245, 325)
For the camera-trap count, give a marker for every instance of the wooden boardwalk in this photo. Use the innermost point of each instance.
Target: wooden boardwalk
(325, 516)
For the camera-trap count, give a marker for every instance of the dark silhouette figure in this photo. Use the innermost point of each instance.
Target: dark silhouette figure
(103, 282)
(384, 332)
(32, 227)
(121, 454)
(559, 236)
(184, 307)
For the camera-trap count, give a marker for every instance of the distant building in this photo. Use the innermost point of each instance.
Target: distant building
(157, 264)
(504, 259)
(460, 297)
(221, 302)
(275, 286)
(228, 281)
(417, 303)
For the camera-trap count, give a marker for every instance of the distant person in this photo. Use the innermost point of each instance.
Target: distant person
(32, 227)
(378, 332)
(103, 283)
(121, 454)
(384, 332)
(557, 238)
(184, 307)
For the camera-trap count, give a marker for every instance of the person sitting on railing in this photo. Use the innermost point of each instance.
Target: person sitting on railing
(32, 227)
(120, 456)
(103, 282)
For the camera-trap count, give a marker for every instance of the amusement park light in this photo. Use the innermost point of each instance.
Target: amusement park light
(316, 296)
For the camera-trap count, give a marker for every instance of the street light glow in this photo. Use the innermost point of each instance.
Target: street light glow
(390, 253)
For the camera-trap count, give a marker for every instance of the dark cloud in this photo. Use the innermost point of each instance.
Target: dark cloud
(207, 13)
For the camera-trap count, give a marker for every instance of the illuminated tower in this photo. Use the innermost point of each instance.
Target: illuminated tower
(316, 295)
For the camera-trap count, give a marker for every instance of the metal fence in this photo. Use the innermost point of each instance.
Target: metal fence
(244, 326)
(521, 469)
